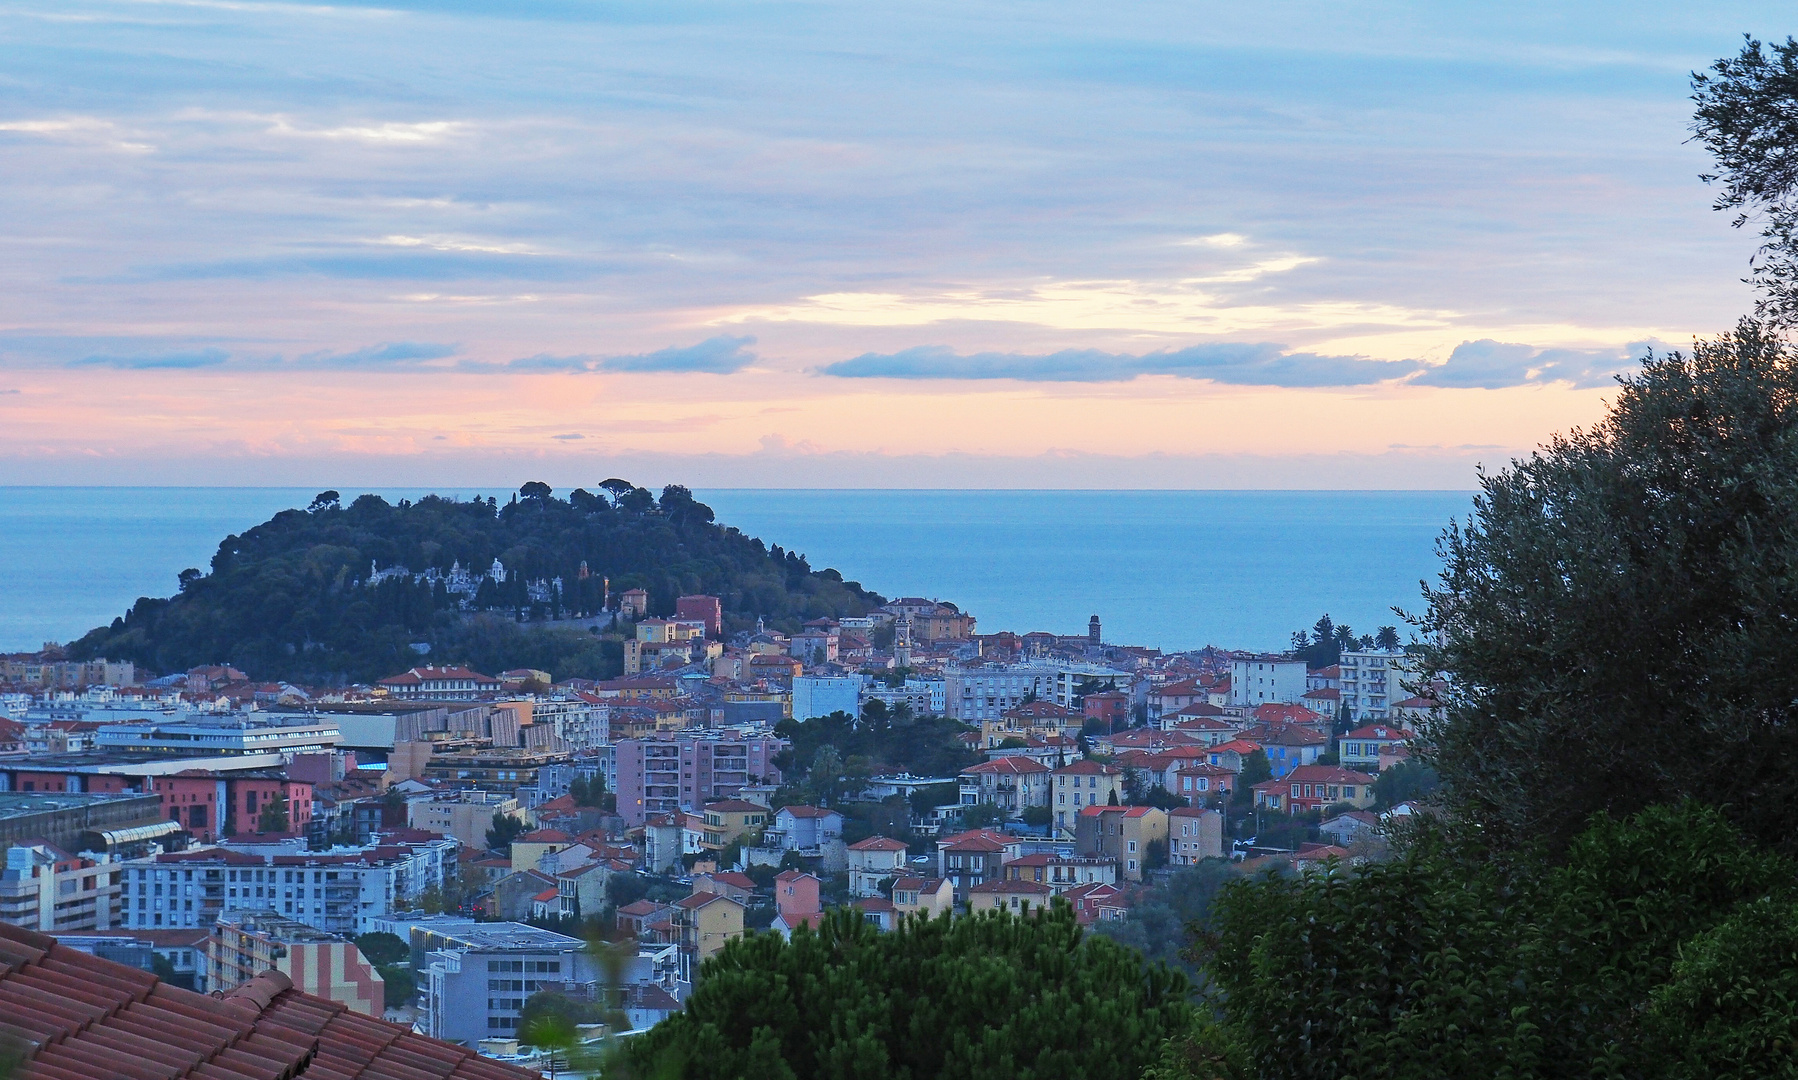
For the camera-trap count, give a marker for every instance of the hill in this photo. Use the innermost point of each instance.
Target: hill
(338, 593)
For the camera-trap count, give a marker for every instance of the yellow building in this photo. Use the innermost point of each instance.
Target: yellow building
(1017, 897)
(928, 897)
(731, 818)
(703, 923)
(528, 850)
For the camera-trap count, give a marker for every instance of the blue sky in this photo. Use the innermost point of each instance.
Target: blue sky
(1183, 244)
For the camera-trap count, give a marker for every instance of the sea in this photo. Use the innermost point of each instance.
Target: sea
(1166, 569)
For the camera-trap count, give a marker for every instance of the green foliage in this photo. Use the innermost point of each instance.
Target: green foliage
(1156, 921)
(282, 601)
(1325, 643)
(588, 793)
(383, 948)
(922, 746)
(927, 799)
(1731, 1004)
(273, 816)
(982, 815)
(1037, 816)
(400, 985)
(1747, 117)
(1408, 781)
(503, 831)
(991, 995)
(1449, 961)
(1669, 527)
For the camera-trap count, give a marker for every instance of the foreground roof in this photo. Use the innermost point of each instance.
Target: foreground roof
(83, 1017)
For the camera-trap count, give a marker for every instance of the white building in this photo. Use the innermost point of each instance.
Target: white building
(987, 691)
(815, 696)
(237, 733)
(338, 891)
(478, 975)
(1257, 680)
(926, 697)
(1373, 682)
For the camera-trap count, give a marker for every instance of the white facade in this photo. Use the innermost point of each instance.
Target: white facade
(815, 696)
(926, 697)
(1258, 680)
(337, 892)
(988, 691)
(241, 733)
(1372, 682)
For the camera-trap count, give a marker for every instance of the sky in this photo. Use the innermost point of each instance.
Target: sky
(834, 244)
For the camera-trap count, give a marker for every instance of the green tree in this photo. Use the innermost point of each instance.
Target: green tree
(503, 831)
(588, 792)
(982, 815)
(273, 817)
(986, 995)
(1665, 526)
(1488, 964)
(383, 948)
(1747, 117)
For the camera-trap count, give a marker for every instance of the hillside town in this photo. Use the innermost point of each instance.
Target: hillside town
(396, 846)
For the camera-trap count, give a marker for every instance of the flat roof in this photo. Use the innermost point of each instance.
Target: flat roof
(21, 803)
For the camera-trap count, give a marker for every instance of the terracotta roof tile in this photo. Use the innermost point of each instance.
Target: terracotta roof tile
(84, 1017)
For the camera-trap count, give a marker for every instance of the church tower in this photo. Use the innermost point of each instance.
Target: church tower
(1093, 634)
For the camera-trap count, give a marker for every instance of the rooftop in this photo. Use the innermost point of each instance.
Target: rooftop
(85, 1017)
(20, 803)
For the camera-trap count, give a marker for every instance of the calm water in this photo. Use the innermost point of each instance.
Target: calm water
(1175, 569)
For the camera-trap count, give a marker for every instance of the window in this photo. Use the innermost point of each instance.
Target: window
(1132, 844)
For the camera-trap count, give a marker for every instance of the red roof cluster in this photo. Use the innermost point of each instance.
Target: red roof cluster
(82, 1017)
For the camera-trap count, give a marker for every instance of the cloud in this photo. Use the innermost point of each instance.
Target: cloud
(1490, 365)
(1232, 363)
(568, 436)
(142, 362)
(395, 354)
(720, 355)
(3, 393)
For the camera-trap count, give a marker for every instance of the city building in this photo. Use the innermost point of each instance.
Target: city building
(1083, 783)
(337, 891)
(923, 696)
(213, 805)
(129, 1023)
(703, 923)
(465, 815)
(431, 683)
(806, 828)
(1256, 680)
(75, 820)
(500, 769)
(1362, 748)
(1313, 787)
(1194, 835)
(233, 734)
(1121, 833)
(872, 862)
(1010, 783)
(476, 976)
(816, 695)
(324, 965)
(1372, 682)
(728, 819)
(924, 896)
(708, 610)
(46, 889)
(676, 772)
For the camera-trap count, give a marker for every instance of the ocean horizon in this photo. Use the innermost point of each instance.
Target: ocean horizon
(1166, 569)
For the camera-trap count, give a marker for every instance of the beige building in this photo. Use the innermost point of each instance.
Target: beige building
(1017, 897)
(247, 945)
(928, 897)
(1121, 833)
(1081, 784)
(1194, 834)
(703, 923)
(46, 889)
(465, 815)
(730, 818)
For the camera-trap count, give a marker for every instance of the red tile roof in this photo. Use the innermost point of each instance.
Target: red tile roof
(82, 1017)
(877, 843)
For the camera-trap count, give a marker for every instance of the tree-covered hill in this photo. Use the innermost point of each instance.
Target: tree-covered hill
(293, 597)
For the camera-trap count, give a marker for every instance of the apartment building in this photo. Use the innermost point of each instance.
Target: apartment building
(46, 889)
(1257, 680)
(337, 891)
(1372, 682)
(675, 772)
(321, 964)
